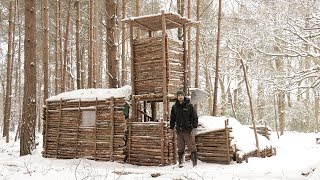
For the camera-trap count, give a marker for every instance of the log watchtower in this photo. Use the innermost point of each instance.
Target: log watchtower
(159, 67)
(159, 64)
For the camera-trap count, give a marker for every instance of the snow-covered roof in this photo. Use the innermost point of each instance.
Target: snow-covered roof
(153, 22)
(93, 94)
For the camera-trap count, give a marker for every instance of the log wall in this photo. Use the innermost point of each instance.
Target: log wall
(145, 146)
(65, 137)
(215, 146)
(148, 67)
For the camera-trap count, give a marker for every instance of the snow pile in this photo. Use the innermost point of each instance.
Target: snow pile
(92, 94)
(244, 137)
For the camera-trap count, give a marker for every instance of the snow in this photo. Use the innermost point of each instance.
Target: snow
(297, 154)
(92, 94)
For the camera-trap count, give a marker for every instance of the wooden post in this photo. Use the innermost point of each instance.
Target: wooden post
(165, 83)
(153, 111)
(226, 123)
(145, 110)
(112, 129)
(95, 132)
(134, 107)
(123, 48)
(196, 81)
(78, 124)
(175, 147)
(251, 106)
(133, 103)
(58, 135)
(185, 60)
(46, 129)
(188, 44)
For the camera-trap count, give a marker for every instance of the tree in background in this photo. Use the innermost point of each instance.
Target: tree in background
(27, 139)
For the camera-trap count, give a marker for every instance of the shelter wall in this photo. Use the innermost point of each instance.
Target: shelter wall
(148, 65)
(66, 136)
(149, 144)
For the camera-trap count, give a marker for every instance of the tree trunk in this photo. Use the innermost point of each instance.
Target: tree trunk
(223, 97)
(216, 79)
(260, 103)
(13, 122)
(208, 86)
(137, 14)
(19, 82)
(316, 110)
(96, 46)
(65, 53)
(123, 49)
(7, 105)
(78, 60)
(180, 10)
(111, 46)
(281, 94)
(90, 51)
(56, 54)
(45, 48)
(27, 141)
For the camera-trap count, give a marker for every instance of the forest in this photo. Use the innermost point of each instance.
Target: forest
(52, 46)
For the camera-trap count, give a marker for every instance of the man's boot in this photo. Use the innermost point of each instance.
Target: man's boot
(194, 158)
(180, 160)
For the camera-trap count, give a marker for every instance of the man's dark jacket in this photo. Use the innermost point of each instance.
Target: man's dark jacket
(183, 116)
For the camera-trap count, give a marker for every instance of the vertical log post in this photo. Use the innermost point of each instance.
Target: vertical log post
(165, 83)
(226, 123)
(112, 128)
(153, 111)
(46, 131)
(78, 124)
(59, 123)
(145, 110)
(185, 60)
(134, 107)
(95, 131)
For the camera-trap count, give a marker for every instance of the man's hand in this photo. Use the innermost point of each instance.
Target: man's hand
(194, 131)
(170, 132)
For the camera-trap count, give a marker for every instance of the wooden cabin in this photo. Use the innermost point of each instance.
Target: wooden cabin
(85, 124)
(159, 67)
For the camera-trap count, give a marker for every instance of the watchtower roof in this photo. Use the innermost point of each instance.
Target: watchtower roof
(153, 22)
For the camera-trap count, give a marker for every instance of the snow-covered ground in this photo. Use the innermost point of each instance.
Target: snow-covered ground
(297, 154)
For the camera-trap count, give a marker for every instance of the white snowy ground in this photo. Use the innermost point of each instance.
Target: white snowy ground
(297, 153)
